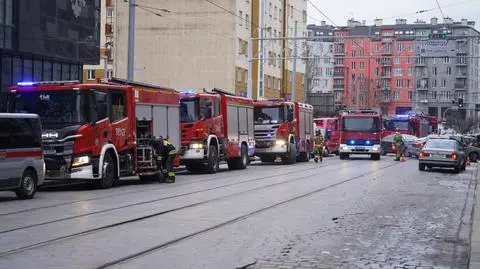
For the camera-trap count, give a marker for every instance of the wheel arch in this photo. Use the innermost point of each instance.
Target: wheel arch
(109, 149)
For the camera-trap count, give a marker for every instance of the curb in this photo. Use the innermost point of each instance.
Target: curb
(474, 255)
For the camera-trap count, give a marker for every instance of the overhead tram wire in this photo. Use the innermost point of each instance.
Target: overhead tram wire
(441, 11)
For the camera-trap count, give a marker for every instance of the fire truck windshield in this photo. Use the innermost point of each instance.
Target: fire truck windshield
(269, 115)
(56, 106)
(361, 124)
(392, 125)
(189, 110)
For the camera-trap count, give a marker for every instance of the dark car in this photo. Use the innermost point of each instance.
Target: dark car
(442, 153)
(409, 141)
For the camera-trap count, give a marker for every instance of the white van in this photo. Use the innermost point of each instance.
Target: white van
(22, 168)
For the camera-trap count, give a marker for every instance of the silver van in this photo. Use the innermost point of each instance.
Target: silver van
(22, 168)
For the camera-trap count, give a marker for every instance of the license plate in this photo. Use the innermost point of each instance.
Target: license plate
(49, 151)
(359, 148)
(438, 155)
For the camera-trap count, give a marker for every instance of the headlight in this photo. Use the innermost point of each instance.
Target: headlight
(375, 148)
(280, 142)
(344, 147)
(196, 146)
(77, 161)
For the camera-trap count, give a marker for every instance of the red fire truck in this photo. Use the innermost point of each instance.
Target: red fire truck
(412, 124)
(360, 133)
(330, 131)
(283, 129)
(216, 126)
(99, 132)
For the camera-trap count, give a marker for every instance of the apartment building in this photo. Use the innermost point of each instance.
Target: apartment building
(402, 67)
(204, 44)
(103, 70)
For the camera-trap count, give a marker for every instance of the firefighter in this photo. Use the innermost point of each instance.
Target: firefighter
(166, 153)
(398, 142)
(318, 139)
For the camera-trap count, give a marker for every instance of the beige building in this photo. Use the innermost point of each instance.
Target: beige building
(204, 44)
(92, 73)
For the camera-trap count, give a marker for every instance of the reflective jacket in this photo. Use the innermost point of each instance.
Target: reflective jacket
(398, 139)
(318, 139)
(163, 147)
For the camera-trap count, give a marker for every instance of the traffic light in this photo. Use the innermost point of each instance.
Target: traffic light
(460, 102)
(437, 36)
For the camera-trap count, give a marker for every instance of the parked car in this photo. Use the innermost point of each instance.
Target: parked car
(470, 149)
(22, 167)
(408, 140)
(442, 153)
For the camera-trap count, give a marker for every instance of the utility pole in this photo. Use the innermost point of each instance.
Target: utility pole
(294, 69)
(131, 40)
(250, 68)
(260, 92)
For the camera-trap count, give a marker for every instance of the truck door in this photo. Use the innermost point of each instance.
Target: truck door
(119, 120)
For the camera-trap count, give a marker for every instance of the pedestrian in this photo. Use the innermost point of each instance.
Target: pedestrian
(318, 139)
(166, 153)
(398, 142)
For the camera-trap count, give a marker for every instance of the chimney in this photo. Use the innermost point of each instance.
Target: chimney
(471, 23)
(400, 21)
(448, 20)
(418, 21)
(464, 22)
(378, 22)
(434, 21)
(323, 23)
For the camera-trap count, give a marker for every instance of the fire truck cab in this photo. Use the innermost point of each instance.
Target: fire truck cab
(360, 133)
(216, 126)
(283, 129)
(99, 132)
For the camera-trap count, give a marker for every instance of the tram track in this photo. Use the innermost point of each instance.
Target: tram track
(156, 214)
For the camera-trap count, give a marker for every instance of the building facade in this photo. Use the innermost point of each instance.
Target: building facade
(403, 67)
(103, 70)
(202, 44)
(45, 41)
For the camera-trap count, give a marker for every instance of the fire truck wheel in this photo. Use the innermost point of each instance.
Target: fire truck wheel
(28, 185)
(108, 173)
(291, 158)
(242, 162)
(212, 164)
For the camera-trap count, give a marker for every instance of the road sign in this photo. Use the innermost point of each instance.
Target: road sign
(437, 36)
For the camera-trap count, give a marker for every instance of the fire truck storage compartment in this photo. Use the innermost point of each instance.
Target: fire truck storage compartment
(145, 154)
(306, 126)
(240, 122)
(165, 121)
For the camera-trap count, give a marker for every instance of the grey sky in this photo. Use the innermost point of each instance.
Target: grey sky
(340, 10)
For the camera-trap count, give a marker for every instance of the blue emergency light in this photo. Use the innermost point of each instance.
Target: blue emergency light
(352, 142)
(368, 142)
(26, 83)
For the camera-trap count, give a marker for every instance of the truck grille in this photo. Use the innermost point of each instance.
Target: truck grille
(265, 135)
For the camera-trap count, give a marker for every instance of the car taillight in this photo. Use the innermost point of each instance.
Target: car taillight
(452, 156)
(424, 154)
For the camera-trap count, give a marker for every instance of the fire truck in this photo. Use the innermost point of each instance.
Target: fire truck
(216, 126)
(330, 131)
(99, 132)
(360, 133)
(283, 129)
(413, 124)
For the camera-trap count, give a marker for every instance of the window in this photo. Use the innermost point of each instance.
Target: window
(449, 71)
(399, 83)
(396, 60)
(275, 13)
(280, 15)
(444, 83)
(304, 13)
(400, 47)
(291, 12)
(396, 95)
(90, 74)
(434, 83)
(240, 18)
(434, 60)
(377, 47)
(109, 74)
(408, 83)
(410, 72)
(118, 106)
(354, 65)
(216, 107)
(446, 60)
(408, 60)
(397, 72)
(109, 12)
(270, 9)
(434, 71)
(434, 95)
(20, 133)
(247, 21)
(362, 65)
(410, 95)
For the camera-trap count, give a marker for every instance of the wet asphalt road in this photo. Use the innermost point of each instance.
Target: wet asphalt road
(339, 214)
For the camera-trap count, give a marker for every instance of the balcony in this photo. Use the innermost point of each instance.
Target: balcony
(462, 63)
(386, 63)
(461, 74)
(387, 52)
(338, 74)
(386, 75)
(338, 64)
(338, 86)
(460, 86)
(386, 88)
(386, 100)
(462, 52)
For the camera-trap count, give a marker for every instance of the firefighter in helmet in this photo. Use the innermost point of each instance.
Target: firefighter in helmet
(318, 139)
(166, 153)
(398, 142)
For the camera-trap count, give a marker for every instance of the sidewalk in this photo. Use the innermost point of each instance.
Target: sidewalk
(475, 237)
